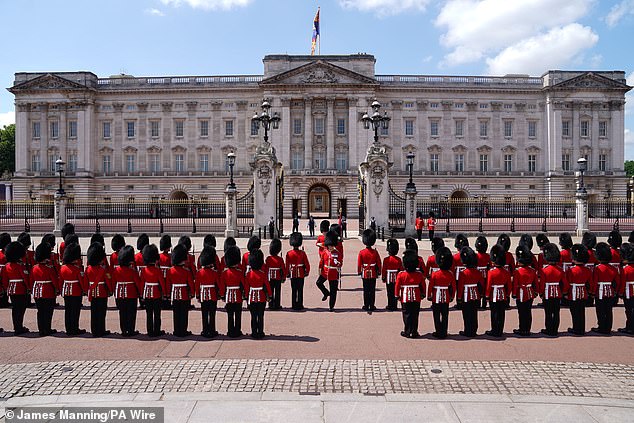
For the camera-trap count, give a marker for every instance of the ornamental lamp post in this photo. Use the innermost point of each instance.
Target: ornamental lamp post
(376, 121)
(265, 120)
(583, 166)
(410, 166)
(231, 158)
(59, 166)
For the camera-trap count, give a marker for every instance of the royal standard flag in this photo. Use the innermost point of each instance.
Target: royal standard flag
(315, 33)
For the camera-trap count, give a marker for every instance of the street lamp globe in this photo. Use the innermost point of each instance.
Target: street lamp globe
(583, 164)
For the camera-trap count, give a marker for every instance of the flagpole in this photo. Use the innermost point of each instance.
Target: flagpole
(319, 45)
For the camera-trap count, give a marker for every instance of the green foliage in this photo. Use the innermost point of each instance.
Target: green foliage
(629, 167)
(7, 149)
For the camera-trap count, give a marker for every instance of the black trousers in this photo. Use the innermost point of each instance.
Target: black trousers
(19, 303)
(234, 318)
(629, 313)
(470, 317)
(391, 299)
(98, 310)
(551, 315)
(127, 314)
(297, 293)
(410, 317)
(276, 287)
(498, 314)
(604, 312)
(208, 313)
(257, 318)
(45, 308)
(334, 288)
(153, 316)
(578, 314)
(431, 234)
(419, 233)
(525, 315)
(180, 310)
(72, 309)
(321, 280)
(369, 292)
(441, 318)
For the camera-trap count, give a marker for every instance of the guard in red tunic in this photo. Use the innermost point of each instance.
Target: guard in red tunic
(604, 283)
(505, 242)
(254, 243)
(67, 229)
(565, 243)
(542, 241)
(206, 286)
(589, 240)
(431, 225)
(576, 288)
(551, 288)
(324, 227)
(100, 287)
(165, 263)
(127, 288)
(116, 243)
(419, 224)
(469, 288)
(153, 289)
(524, 288)
(54, 258)
(369, 268)
(29, 258)
(410, 287)
(5, 239)
(276, 270)
(626, 286)
(139, 264)
(411, 244)
(191, 259)
(210, 241)
(392, 264)
(232, 287)
(297, 268)
(258, 291)
(229, 242)
(335, 227)
(179, 284)
(526, 240)
(615, 240)
(431, 266)
(45, 285)
(498, 290)
(484, 262)
(441, 289)
(329, 268)
(15, 282)
(74, 287)
(460, 242)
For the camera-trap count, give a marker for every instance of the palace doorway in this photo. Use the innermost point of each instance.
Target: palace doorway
(319, 201)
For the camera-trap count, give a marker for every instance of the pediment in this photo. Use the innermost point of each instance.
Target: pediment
(533, 149)
(409, 147)
(320, 73)
(48, 82)
(484, 148)
(590, 81)
(434, 147)
(459, 148)
(154, 149)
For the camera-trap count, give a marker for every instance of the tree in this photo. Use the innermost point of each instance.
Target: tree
(629, 167)
(7, 149)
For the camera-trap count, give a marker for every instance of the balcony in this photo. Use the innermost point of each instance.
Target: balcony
(117, 83)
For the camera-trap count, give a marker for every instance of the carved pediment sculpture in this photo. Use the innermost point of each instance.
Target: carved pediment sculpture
(48, 82)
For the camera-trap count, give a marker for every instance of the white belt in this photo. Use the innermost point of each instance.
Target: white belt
(295, 269)
(124, 292)
(232, 295)
(368, 269)
(458, 270)
(253, 293)
(66, 287)
(408, 293)
(628, 288)
(547, 290)
(151, 284)
(205, 289)
(496, 288)
(468, 287)
(177, 285)
(273, 272)
(391, 276)
(440, 293)
(576, 290)
(37, 288)
(602, 286)
(530, 287)
(565, 266)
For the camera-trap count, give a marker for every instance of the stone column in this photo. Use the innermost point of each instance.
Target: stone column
(581, 218)
(59, 213)
(308, 133)
(7, 191)
(410, 210)
(22, 159)
(353, 138)
(330, 134)
(266, 169)
(230, 211)
(616, 131)
(374, 171)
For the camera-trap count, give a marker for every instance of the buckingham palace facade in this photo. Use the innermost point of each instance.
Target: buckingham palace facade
(127, 138)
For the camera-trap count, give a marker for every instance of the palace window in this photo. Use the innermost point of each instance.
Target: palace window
(433, 128)
(603, 158)
(179, 163)
(320, 159)
(36, 129)
(508, 162)
(433, 162)
(341, 127)
(585, 128)
(459, 128)
(484, 128)
(204, 128)
(228, 128)
(154, 128)
(484, 162)
(106, 164)
(130, 127)
(532, 129)
(319, 126)
(54, 129)
(297, 127)
(105, 130)
(409, 127)
(297, 159)
(72, 162)
(532, 162)
(508, 129)
(72, 129)
(341, 159)
(565, 128)
(203, 163)
(35, 162)
(254, 127)
(52, 165)
(603, 129)
(459, 162)
(565, 162)
(384, 131)
(179, 128)
(155, 162)
(130, 165)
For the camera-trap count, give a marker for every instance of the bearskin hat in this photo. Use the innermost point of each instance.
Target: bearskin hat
(336, 227)
(437, 243)
(256, 259)
(165, 243)
(232, 256)
(254, 243)
(504, 241)
(631, 237)
(5, 239)
(42, 252)
(392, 246)
(25, 239)
(461, 241)
(50, 240)
(95, 254)
(565, 240)
(444, 258)
(603, 252)
(68, 228)
(229, 242)
(410, 260)
(332, 239)
(627, 252)
(97, 238)
(524, 255)
(410, 244)
(209, 240)
(275, 247)
(369, 237)
(481, 244)
(589, 240)
(142, 241)
(324, 226)
(126, 255)
(542, 240)
(186, 241)
(551, 253)
(579, 253)
(72, 253)
(468, 257)
(207, 256)
(71, 239)
(295, 239)
(526, 240)
(150, 254)
(14, 251)
(615, 239)
(498, 255)
(117, 242)
(179, 254)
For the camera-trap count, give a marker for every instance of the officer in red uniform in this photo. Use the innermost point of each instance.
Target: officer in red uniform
(460, 241)
(335, 227)
(431, 266)
(5, 239)
(139, 264)
(254, 243)
(524, 288)
(100, 287)
(329, 268)
(165, 263)
(206, 286)
(258, 289)
(127, 290)
(526, 240)
(54, 258)
(29, 258)
(297, 268)
(498, 290)
(589, 240)
(604, 283)
(551, 288)
(15, 282)
(179, 284)
(576, 288)
(116, 243)
(626, 287)
(45, 285)
(431, 225)
(275, 268)
(411, 244)
(74, 287)
(565, 243)
(469, 288)
(324, 227)
(441, 289)
(505, 242)
(191, 259)
(615, 240)
(210, 241)
(66, 230)
(369, 268)
(410, 287)
(419, 225)
(542, 241)
(392, 264)
(153, 289)
(484, 262)
(232, 287)
(229, 242)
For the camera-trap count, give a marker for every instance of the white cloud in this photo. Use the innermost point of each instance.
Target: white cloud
(545, 51)
(154, 12)
(209, 4)
(618, 11)
(385, 7)
(7, 118)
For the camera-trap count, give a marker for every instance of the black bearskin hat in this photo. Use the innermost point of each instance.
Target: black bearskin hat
(150, 254)
(179, 254)
(42, 252)
(142, 241)
(14, 251)
(392, 246)
(295, 239)
(254, 243)
(630, 239)
(437, 243)
(468, 257)
(627, 252)
(209, 240)
(275, 247)
(207, 256)
(542, 240)
(232, 256)
(117, 242)
(71, 239)
(527, 241)
(410, 260)
(126, 256)
(5, 239)
(186, 241)
(565, 240)
(603, 252)
(67, 229)
(524, 255)
(615, 239)
(589, 240)
(444, 258)
(50, 240)
(229, 242)
(336, 227)
(256, 259)
(324, 226)
(25, 239)
(165, 243)
(481, 244)
(369, 237)
(498, 255)
(95, 254)
(579, 253)
(97, 238)
(411, 244)
(551, 253)
(461, 241)
(72, 253)
(332, 239)
(504, 241)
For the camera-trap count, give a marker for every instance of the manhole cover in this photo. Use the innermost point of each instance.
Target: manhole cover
(67, 369)
(436, 371)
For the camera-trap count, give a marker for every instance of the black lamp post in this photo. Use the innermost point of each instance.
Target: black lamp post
(583, 166)
(231, 159)
(59, 166)
(376, 120)
(265, 120)
(410, 165)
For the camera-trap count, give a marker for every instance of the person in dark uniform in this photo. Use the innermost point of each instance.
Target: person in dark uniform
(153, 289)
(271, 227)
(295, 223)
(44, 286)
(311, 226)
(524, 288)
(469, 287)
(410, 288)
(576, 288)
(74, 286)
(484, 262)
(369, 268)
(297, 268)
(15, 282)
(275, 269)
(330, 266)
(258, 291)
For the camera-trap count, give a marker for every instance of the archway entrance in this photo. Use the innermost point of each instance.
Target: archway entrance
(177, 206)
(459, 204)
(319, 201)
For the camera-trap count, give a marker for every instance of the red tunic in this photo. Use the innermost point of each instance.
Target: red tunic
(99, 282)
(275, 268)
(15, 279)
(127, 283)
(410, 286)
(442, 286)
(179, 283)
(457, 266)
(391, 266)
(297, 265)
(206, 284)
(431, 224)
(232, 285)
(114, 260)
(551, 282)
(510, 262)
(616, 256)
(604, 281)
(577, 282)
(29, 259)
(339, 249)
(420, 224)
(566, 259)
(165, 262)
(74, 283)
(152, 283)
(369, 263)
(62, 247)
(257, 287)
(524, 283)
(191, 263)
(44, 281)
(329, 264)
(498, 284)
(244, 265)
(320, 242)
(421, 266)
(431, 266)
(626, 282)
(470, 284)
(138, 261)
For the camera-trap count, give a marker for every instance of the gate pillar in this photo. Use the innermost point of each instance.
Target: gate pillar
(266, 170)
(374, 171)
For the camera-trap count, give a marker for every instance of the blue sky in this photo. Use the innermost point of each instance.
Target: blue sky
(212, 37)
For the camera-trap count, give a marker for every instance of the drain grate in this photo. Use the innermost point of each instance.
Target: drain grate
(436, 371)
